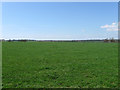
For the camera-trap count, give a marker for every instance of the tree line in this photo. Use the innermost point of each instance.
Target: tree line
(93, 40)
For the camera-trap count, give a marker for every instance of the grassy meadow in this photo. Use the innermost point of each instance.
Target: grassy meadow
(59, 65)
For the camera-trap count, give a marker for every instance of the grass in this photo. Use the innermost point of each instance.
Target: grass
(60, 64)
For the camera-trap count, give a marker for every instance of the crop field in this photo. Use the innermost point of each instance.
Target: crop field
(59, 65)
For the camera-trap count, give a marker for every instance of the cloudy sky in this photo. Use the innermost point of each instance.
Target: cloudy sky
(59, 20)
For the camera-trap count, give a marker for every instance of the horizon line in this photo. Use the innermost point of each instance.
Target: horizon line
(59, 39)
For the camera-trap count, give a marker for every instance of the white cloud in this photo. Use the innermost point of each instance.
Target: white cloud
(112, 27)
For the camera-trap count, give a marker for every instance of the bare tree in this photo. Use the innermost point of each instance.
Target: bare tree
(106, 40)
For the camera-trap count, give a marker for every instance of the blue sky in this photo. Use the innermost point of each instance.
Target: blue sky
(59, 20)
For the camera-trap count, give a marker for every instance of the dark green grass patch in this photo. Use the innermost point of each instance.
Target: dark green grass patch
(60, 64)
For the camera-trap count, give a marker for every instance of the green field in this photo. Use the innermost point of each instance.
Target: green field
(60, 64)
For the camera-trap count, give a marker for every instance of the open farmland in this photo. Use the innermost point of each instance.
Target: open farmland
(60, 64)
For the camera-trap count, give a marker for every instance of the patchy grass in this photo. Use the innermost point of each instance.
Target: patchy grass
(60, 64)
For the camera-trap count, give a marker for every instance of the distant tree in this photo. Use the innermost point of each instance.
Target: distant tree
(23, 40)
(9, 40)
(106, 40)
(112, 40)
